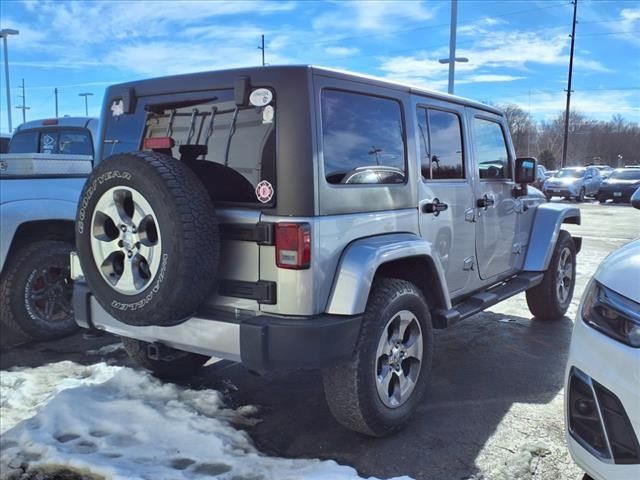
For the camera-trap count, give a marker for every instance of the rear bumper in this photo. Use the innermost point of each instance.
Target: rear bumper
(260, 342)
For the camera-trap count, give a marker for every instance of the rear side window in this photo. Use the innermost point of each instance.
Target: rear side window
(4, 145)
(24, 142)
(491, 150)
(362, 139)
(441, 154)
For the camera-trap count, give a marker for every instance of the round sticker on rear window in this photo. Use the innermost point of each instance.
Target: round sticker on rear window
(264, 191)
(260, 97)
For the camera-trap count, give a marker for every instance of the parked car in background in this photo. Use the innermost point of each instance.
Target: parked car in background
(541, 176)
(550, 173)
(65, 136)
(4, 142)
(605, 170)
(40, 182)
(602, 401)
(573, 183)
(620, 186)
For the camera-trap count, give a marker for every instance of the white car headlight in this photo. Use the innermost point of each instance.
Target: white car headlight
(612, 314)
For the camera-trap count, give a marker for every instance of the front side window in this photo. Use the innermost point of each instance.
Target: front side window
(440, 145)
(363, 141)
(24, 142)
(491, 150)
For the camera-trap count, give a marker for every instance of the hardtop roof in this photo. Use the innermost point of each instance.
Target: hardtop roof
(199, 81)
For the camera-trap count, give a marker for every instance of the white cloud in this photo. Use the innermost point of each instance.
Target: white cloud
(601, 105)
(341, 51)
(373, 16)
(488, 78)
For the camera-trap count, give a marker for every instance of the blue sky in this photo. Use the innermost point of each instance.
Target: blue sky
(518, 50)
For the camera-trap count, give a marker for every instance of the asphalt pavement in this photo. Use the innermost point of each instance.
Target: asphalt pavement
(493, 410)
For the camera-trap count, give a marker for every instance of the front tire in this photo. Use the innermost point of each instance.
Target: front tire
(550, 299)
(580, 197)
(36, 290)
(181, 365)
(376, 391)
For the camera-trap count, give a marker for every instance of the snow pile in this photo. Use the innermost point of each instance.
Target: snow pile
(132, 426)
(23, 391)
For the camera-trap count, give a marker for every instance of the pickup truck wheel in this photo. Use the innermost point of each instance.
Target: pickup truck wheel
(550, 299)
(36, 290)
(147, 238)
(376, 391)
(178, 364)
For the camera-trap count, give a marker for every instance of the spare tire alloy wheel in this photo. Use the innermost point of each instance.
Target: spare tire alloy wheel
(398, 359)
(147, 239)
(126, 240)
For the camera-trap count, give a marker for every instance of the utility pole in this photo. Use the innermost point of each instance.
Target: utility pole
(23, 107)
(4, 33)
(86, 103)
(452, 46)
(55, 94)
(262, 48)
(566, 112)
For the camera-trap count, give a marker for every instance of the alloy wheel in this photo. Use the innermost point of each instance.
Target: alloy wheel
(126, 240)
(399, 359)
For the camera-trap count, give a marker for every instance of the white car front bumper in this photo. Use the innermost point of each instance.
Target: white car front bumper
(610, 372)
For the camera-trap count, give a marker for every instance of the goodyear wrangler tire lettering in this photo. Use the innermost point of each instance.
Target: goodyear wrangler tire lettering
(135, 240)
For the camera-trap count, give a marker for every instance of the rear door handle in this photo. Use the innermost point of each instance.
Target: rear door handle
(485, 202)
(434, 207)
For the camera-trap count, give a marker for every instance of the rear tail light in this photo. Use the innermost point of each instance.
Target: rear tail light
(293, 245)
(158, 143)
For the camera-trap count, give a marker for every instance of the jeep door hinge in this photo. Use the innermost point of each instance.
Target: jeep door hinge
(468, 264)
(469, 215)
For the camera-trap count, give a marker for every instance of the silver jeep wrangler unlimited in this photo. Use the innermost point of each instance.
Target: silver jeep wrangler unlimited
(298, 217)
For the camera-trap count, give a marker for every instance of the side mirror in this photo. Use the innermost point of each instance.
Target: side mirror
(525, 170)
(635, 199)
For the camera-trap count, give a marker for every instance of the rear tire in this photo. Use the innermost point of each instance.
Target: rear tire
(36, 290)
(602, 199)
(183, 366)
(147, 238)
(550, 299)
(370, 393)
(580, 197)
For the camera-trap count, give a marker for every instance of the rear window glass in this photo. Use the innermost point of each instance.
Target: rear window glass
(363, 140)
(232, 150)
(4, 145)
(24, 142)
(75, 142)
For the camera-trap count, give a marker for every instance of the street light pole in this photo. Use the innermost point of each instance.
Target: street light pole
(452, 46)
(86, 103)
(4, 33)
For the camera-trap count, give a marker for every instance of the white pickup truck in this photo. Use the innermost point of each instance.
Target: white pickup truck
(41, 177)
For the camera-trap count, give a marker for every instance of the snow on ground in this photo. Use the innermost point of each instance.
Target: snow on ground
(120, 423)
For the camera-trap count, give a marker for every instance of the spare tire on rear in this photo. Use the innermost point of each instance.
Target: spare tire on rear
(147, 238)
